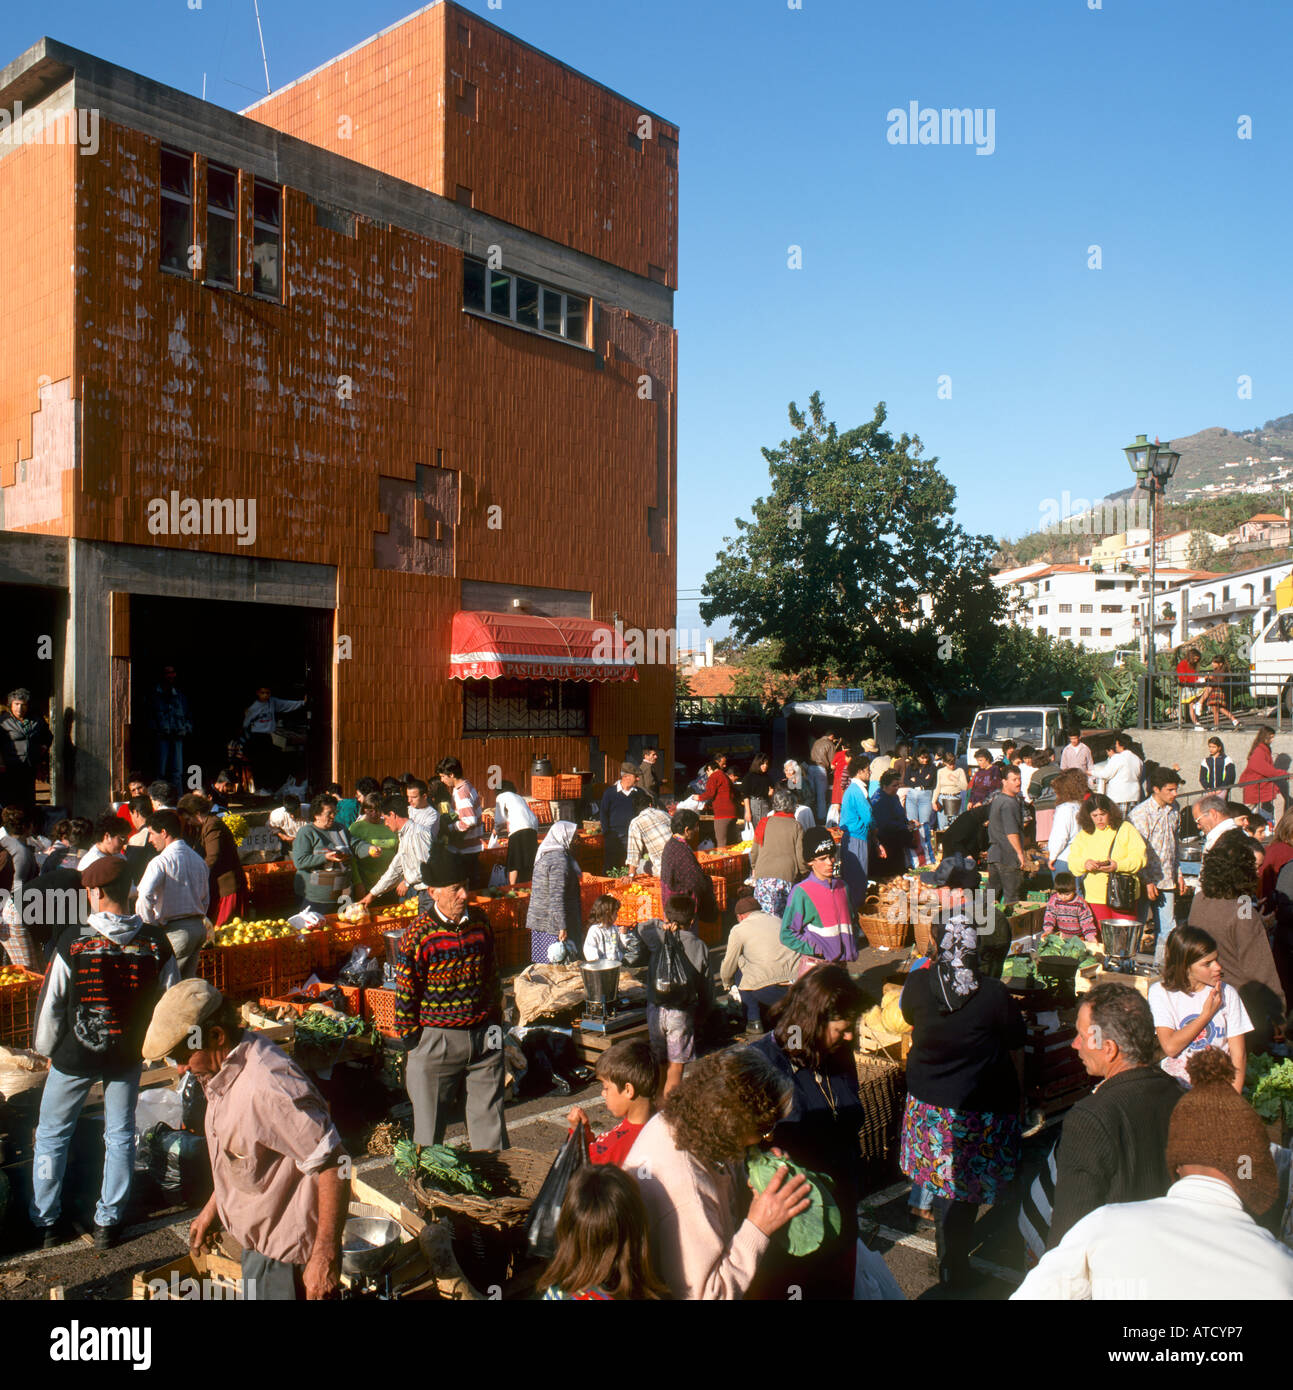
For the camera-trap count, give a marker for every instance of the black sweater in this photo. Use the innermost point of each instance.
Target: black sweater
(1113, 1146)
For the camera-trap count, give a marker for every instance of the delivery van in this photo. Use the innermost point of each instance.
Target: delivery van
(1043, 726)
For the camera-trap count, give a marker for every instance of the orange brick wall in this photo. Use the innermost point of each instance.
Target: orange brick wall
(546, 150)
(217, 394)
(37, 209)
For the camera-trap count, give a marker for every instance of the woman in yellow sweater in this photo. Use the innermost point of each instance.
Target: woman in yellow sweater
(1104, 844)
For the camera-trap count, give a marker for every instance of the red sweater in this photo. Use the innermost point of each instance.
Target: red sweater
(718, 791)
(1260, 764)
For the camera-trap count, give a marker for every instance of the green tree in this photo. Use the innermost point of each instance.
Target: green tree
(854, 564)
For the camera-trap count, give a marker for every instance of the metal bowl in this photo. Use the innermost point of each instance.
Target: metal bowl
(368, 1245)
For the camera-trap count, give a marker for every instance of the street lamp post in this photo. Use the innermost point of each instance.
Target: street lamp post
(1153, 464)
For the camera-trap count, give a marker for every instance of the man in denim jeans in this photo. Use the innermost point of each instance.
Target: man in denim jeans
(1159, 821)
(100, 990)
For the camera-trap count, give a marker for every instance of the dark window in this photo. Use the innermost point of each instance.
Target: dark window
(576, 319)
(1106, 632)
(267, 252)
(527, 303)
(473, 285)
(177, 211)
(500, 294)
(222, 225)
(552, 311)
(515, 707)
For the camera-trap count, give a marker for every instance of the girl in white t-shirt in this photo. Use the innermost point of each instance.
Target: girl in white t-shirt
(1194, 1010)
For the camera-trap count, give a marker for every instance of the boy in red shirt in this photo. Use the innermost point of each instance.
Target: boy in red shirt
(629, 1080)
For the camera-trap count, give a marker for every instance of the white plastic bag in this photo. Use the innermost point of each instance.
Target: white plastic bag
(833, 816)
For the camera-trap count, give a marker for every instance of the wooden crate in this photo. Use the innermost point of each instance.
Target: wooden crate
(18, 1009)
(223, 1274)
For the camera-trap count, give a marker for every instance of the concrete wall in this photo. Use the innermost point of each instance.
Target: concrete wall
(1189, 747)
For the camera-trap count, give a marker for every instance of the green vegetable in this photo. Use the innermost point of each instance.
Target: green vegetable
(443, 1166)
(1269, 1085)
(809, 1229)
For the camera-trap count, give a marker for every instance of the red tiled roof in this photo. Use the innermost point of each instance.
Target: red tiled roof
(712, 680)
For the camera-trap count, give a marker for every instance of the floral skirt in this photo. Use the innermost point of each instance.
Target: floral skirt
(965, 1155)
(772, 894)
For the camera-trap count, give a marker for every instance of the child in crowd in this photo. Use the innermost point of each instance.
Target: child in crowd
(629, 1080)
(671, 1017)
(1068, 914)
(603, 940)
(1193, 1009)
(602, 1249)
(285, 820)
(818, 922)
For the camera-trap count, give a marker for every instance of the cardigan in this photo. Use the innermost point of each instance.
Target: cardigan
(554, 896)
(680, 872)
(778, 849)
(702, 1245)
(1113, 1147)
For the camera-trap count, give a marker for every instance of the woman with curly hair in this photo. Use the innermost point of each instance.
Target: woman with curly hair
(707, 1236)
(811, 1045)
(1070, 790)
(1226, 907)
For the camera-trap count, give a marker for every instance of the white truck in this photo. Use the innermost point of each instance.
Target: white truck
(1043, 726)
(1271, 656)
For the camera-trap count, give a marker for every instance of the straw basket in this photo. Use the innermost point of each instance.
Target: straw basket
(516, 1174)
(881, 931)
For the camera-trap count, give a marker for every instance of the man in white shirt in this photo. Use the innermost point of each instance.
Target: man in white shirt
(110, 836)
(421, 811)
(1200, 1241)
(175, 890)
(1121, 773)
(258, 725)
(1210, 817)
(404, 872)
(1026, 762)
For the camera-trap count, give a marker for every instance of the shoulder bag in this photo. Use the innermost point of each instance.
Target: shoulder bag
(1124, 889)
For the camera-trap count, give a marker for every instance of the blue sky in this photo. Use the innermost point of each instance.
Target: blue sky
(1115, 127)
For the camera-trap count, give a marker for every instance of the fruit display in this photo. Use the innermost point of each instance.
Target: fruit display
(404, 909)
(887, 1017)
(356, 912)
(236, 932)
(11, 975)
(236, 826)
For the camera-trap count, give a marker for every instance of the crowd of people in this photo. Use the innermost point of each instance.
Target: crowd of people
(674, 1203)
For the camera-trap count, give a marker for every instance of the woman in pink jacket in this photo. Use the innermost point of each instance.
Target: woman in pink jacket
(1258, 778)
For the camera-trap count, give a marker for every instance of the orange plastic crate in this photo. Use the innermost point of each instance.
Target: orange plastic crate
(542, 811)
(243, 972)
(722, 891)
(591, 887)
(640, 907)
(299, 1003)
(18, 1009)
(543, 788)
(379, 1009)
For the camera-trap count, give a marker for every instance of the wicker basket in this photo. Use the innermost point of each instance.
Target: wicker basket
(517, 1175)
(880, 931)
(881, 1086)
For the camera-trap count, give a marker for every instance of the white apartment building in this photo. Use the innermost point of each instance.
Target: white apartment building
(1203, 602)
(1096, 611)
(1175, 549)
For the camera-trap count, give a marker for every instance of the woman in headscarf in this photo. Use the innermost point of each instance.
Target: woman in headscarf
(796, 783)
(554, 915)
(777, 854)
(960, 1130)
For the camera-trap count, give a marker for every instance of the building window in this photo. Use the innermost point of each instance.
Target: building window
(222, 226)
(1106, 632)
(540, 308)
(1084, 608)
(1104, 584)
(267, 248)
(1066, 607)
(177, 211)
(1266, 585)
(1225, 594)
(1046, 586)
(1084, 632)
(1042, 608)
(1066, 631)
(513, 708)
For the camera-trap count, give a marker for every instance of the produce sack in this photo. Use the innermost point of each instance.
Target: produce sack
(541, 1227)
(675, 978)
(547, 991)
(21, 1070)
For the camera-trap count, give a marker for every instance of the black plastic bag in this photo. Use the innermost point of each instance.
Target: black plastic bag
(541, 1227)
(635, 951)
(554, 1063)
(361, 970)
(675, 986)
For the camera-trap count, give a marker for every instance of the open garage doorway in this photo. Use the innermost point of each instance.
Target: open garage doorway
(221, 652)
(35, 637)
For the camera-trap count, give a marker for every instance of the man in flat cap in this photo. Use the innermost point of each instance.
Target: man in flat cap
(100, 989)
(282, 1177)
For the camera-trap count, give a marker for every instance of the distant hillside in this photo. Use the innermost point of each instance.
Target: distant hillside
(1205, 454)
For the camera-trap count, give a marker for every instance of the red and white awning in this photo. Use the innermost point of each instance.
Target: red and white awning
(524, 647)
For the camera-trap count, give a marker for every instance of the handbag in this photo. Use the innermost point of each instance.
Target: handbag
(1124, 889)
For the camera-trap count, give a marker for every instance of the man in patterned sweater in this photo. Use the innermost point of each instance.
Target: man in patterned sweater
(448, 1009)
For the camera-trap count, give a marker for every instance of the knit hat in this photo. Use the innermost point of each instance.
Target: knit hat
(443, 868)
(1216, 1127)
(816, 842)
(746, 904)
(105, 872)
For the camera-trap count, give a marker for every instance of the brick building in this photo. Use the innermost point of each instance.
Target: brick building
(288, 396)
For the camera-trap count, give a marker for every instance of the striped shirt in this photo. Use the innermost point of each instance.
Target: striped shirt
(467, 805)
(648, 835)
(447, 974)
(1073, 918)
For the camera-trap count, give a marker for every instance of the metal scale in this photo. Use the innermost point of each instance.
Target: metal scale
(370, 1246)
(1120, 942)
(606, 1011)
